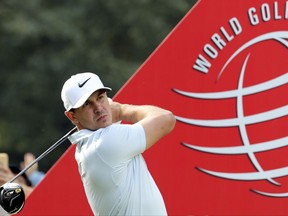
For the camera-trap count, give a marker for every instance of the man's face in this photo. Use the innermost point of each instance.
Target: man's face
(95, 113)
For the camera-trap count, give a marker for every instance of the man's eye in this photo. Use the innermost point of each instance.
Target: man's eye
(86, 103)
(100, 97)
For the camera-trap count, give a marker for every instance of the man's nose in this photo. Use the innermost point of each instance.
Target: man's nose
(97, 107)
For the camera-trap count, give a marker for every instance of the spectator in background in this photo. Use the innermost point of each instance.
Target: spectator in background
(6, 174)
(34, 175)
(27, 180)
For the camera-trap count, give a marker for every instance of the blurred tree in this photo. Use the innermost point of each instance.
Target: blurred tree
(45, 42)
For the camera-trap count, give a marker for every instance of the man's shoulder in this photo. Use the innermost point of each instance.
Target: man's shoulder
(80, 135)
(121, 127)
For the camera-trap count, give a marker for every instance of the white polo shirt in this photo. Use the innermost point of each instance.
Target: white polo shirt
(114, 174)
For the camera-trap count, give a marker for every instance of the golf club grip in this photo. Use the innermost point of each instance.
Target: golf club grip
(55, 145)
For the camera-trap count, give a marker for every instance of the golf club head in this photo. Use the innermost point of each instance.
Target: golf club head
(12, 197)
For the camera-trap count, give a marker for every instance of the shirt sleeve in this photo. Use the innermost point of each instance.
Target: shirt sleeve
(121, 142)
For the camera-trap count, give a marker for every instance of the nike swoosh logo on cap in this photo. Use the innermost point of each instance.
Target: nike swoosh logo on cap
(82, 84)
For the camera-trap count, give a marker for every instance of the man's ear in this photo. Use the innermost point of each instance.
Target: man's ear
(71, 116)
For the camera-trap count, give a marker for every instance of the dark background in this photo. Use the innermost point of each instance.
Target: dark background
(44, 42)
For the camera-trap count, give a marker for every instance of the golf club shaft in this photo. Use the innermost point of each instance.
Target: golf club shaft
(55, 145)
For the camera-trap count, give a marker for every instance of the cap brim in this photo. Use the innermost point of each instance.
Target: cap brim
(86, 96)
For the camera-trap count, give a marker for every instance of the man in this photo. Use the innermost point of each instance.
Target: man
(114, 173)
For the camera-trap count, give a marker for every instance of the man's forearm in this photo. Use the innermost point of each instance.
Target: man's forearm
(134, 113)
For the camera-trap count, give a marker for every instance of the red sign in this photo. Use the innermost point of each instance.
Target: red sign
(223, 73)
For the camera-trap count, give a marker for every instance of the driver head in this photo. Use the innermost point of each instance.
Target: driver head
(12, 197)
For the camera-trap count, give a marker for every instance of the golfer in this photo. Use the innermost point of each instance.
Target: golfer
(114, 174)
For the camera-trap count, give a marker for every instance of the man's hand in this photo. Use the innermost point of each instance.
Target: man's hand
(116, 109)
(5, 175)
(29, 158)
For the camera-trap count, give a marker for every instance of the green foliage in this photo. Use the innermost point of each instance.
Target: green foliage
(45, 42)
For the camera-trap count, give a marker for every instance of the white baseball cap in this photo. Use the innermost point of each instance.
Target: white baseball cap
(78, 88)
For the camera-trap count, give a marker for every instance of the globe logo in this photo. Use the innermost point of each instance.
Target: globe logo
(242, 121)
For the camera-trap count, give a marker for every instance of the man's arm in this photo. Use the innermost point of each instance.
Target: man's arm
(157, 122)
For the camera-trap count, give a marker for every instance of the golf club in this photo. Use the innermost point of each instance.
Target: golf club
(12, 197)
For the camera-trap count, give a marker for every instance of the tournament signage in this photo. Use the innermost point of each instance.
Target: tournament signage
(223, 72)
(274, 80)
